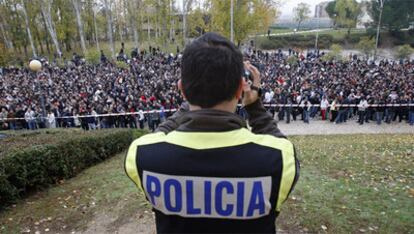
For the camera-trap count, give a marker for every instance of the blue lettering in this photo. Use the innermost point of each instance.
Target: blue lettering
(240, 198)
(190, 199)
(256, 199)
(219, 198)
(153, 187)
(168, 184)
(207, 197)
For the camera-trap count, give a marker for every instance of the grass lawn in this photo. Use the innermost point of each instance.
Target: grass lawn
(348, 184)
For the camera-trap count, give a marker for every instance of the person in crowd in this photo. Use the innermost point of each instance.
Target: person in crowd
(141, 118)
(3, 118)
(411, 110)
(306, 105)
(51, 119)
(324, 107)
(30, 117)
(379, 110)
(362, 107)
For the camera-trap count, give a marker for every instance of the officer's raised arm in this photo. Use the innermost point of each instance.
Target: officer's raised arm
(259, 119)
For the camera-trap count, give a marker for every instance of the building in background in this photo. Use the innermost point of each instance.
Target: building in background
(320, 11)
(365, 19)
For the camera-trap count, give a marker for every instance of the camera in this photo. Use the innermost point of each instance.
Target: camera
(248, 75)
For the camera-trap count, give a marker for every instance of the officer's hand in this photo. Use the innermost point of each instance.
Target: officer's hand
(249, 95)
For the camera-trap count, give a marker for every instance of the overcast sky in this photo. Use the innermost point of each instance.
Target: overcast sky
(287, 6)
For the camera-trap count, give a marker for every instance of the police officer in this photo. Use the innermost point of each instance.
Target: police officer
(204, 171)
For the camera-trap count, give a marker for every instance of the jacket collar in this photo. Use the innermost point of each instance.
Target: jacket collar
(209, 120)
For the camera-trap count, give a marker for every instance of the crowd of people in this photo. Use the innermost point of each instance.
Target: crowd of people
(305, 87)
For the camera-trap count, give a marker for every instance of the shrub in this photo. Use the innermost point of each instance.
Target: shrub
(295, 41)
(38, 166)
(121, 64)
(366, 46)
(93, 56)
(335, 53)
(404, 51)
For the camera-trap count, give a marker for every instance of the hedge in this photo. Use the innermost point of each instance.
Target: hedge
(38, 166)
(298, 40)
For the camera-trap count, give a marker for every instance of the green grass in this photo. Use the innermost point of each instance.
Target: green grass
(348, 184)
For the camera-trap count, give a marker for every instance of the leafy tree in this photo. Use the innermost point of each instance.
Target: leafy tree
(301, 11)
(366, 45)
(330, 9)
(404, 52)
(197, 22)
(396, 15)
(250, 16)
(348, 13)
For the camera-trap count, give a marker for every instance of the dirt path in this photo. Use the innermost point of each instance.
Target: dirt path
(319, 127)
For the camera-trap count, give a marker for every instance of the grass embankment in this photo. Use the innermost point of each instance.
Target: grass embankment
(348, 184)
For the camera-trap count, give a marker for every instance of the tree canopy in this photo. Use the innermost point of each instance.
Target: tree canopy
(396, 15)
(348, 13)
(301, 11)
(56, 27)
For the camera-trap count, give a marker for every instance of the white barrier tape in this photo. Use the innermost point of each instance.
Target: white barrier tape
(337, 105)
(95, 116)
(173, 110)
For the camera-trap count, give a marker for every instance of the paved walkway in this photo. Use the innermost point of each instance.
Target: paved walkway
(319, 127)
(294, 33)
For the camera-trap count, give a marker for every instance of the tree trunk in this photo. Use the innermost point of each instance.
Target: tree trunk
(148, 29)
(39, 40)
(184, 21)
(80, 26)
(118, 26)
(125, 28)
(29, 33)
(186, 8)
(96, 31)
(8, 43)
(109, 24)
(133, 19)
(49, 23)
(47, 37)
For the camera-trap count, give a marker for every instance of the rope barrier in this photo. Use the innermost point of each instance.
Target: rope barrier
(174, 110)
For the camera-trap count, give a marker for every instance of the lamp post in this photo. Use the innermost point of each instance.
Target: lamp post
(231, 21)
(36, 66)
(317, 29)
(378, 28)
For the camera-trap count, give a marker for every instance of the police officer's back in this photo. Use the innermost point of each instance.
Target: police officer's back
(204, 171)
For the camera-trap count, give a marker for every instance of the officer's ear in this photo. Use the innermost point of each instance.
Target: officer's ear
(180, 87)
(242, 87)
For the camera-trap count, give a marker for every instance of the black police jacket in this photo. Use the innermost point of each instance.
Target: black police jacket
(205, 172)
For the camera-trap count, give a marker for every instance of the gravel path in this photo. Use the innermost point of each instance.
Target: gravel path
(319, 127)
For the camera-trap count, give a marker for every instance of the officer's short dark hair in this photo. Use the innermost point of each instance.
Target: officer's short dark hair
(212, 68)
